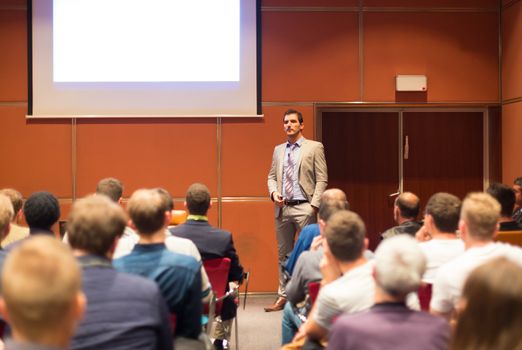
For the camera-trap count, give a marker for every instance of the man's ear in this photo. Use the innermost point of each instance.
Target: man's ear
(6, 231)
(185, 205)
(131, 225)
(463, 228)
(322, 226)
(210, 204)
(80, 305)
(366, 244)
(168, 218)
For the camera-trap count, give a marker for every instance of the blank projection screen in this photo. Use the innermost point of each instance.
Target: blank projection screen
(143, 58)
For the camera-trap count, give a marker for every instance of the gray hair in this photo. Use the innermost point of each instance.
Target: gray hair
(399, 265)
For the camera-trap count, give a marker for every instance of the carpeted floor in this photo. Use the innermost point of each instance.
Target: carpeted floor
(258, 330)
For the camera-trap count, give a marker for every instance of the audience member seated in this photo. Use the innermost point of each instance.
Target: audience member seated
(16, 232)
(405, 213)
(212, 243)
(517, 211)
(6, 215)
(478, 226)
(347, 284)
(492, 308)
(307, 270)
(310, 232)
(123, 311)
(177, 275)
(389, 324)
(41, 295)
(441, 222)
(506, 197)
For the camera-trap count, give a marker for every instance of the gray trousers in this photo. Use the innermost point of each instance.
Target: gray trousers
(291, 220)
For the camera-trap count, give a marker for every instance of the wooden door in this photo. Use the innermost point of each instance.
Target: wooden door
(445, 153)
(362, 155)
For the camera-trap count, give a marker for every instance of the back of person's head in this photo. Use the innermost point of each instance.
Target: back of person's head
(408, 204)
(147, 208)
(444, 208)
(6, 213)
(41, 290)
(94, 224)
(399, 266)
(345, 235)
(492, 314)
(41, 210)
(16, 198)
(111, 187)
(198, 199)
(166, 197)
(505, 196)
(332, 200)
(480, 213)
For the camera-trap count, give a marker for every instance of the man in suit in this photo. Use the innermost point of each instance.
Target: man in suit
(297, 178)
(212, 243)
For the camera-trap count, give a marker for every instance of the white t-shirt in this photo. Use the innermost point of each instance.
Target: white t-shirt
(450, 278)
(438, 252)
(352, 292)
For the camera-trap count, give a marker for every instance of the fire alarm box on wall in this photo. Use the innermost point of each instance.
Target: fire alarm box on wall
(411, 83)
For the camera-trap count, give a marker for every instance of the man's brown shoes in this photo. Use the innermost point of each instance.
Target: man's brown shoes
(277, 306)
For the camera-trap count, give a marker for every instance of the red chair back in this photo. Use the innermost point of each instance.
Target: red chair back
(313, 290)
(424, 293)
(217, 271)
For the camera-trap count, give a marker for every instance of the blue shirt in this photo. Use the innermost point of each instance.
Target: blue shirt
(304, 241)
(123, 311)
(178, 277)
(297, 193)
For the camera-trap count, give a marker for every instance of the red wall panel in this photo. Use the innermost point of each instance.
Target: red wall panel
(512, 51)
(511, 142)
(433, 3)
(13, 60)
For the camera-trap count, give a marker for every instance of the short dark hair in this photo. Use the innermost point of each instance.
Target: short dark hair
(198, 199)
(518, 181)
(344, 233)
(444, 208)
(169, 203)
(293, 111)
(407, 209)
(505, 196)
(329, 206)
(41, 210)
(94, 223)
(111, 187)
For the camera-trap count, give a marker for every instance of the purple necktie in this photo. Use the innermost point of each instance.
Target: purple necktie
(289, 172)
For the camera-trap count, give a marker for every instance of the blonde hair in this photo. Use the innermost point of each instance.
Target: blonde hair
(16, 198)
(480, 211)
(41, 282)
(6, 212)
(147, 209)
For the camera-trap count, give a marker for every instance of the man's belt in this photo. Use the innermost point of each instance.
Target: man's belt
(295, 201)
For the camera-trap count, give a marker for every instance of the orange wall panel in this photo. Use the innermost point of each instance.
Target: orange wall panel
(252, 227)
(36, 156)
(147, 153)
(13, 60)
(457, 52)
(310, 56)
(511, 142)
(248, 148)
(512, 51)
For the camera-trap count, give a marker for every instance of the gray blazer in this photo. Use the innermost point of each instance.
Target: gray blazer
(313, 173)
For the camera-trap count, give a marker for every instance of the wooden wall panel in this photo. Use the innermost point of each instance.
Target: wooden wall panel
(13, 57)
(252, 227)
(36, 156)
(248, 147)
(295, 3)
(147, 153)
(433, 3)
(512, 51)
(457, 52)
(310, 56)
(511, 142)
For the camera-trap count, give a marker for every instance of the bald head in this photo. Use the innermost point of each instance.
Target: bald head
(332, 200)
(408, 205)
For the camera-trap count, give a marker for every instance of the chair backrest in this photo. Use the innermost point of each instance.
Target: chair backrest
(178, 217)
(313, 290)
(424, 293)
(217, 271)
(511, 237)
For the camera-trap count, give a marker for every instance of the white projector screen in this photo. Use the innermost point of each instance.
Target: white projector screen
(145, 58)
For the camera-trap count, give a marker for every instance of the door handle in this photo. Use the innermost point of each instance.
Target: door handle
(406, 147)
